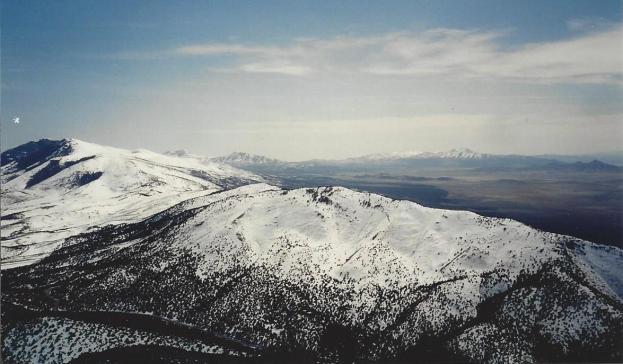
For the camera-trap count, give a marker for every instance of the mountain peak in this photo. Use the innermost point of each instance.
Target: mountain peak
(33, 153)
(462, 153)
(59, 188)
(243, 158)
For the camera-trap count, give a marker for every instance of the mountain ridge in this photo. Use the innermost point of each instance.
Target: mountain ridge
(458, 157)
(55, 189)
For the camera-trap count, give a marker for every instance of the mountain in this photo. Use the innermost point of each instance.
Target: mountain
(110, 255)
(463, 153)
(614, 158)
(452, 160)
(249, 160)
(52, 190)
(455, 158)
(319, 274)
(592, 166)
(245, 159)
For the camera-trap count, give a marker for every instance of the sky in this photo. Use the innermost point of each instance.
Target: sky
(298, 80)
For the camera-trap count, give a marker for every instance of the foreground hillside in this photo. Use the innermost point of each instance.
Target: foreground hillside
(328, 274)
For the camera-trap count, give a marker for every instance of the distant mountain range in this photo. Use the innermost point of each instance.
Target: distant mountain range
(456, 158)
(106, 249)
(240, 158)
(451, 154)
(615, 158)
(592, 166)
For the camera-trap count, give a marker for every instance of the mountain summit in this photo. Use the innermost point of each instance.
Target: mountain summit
(53, 189)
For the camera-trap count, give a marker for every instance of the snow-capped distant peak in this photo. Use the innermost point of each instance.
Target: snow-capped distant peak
(461, 153)
(242, 158)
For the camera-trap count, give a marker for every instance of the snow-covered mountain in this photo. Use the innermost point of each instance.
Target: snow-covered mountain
(333, 274)
(320, 274)
(462, 153)
(55, 189)
(243, 159)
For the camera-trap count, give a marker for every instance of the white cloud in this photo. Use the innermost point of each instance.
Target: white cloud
(344, 96)
(590, 57)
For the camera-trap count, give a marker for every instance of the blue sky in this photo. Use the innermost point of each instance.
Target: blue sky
(297, 79)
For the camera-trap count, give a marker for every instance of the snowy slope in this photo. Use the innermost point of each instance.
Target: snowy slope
(55, 189)
(371, 239)
(334, 272)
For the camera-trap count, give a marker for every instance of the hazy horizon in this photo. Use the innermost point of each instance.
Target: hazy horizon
(316, 80)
